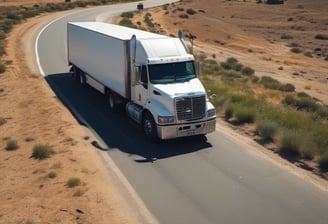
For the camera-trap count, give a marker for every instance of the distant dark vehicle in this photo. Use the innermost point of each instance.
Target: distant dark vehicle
(274, 1)
(140, 6)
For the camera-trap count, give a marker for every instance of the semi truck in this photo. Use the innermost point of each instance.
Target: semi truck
(151, 76)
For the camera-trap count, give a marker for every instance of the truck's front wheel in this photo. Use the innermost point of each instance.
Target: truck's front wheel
(149, 126)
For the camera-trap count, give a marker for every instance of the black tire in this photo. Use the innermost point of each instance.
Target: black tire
(149, 126)
(112, 101)
(82, 78)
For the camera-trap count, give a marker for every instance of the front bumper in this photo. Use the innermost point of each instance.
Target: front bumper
(190, 129)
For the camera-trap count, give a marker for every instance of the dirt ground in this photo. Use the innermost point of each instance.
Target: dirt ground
(245, 30)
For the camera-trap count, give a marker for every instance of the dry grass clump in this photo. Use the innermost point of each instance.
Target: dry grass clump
(42, 151)
(12, 145)
(73, 182)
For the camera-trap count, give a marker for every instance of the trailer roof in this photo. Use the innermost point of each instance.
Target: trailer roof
(120, 32)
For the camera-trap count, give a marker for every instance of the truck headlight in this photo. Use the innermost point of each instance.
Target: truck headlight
(211, 113)
(166, 119)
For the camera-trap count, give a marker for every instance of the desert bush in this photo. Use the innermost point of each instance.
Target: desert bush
(127, 22)
(191, 11)
(271, 83)
(290, 142)
(73, 182)
(184, 16)
(267, 128)
(244, 114)
(287, 88)
(2, 68)
(42, 151)
(148, 20)
(302, 94)
(308, 54)
(2, 121)
(323, 161)
(255, 79)
(286, 36)
(211, 67)
(230, 75)
(321, 37)
(309, 150)
(303, 103)
(12, 145)
(52, 175)
(296, 50)
(228, 112)
(247, 71)
(127, 14)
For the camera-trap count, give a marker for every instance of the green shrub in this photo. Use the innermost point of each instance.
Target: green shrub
(247, 71)
(303, 103)
(127, 22)
(211, 67)
(255, 79)
(267, 128)
(323, 161)
(244, 114)
(290, 142)
(228, 112)
(148, 21)
(73, 182)
(2, 68)
(321, 37)
(52, 175)
(309, 149)
(127, 14)
(287, 88)
(231, 75)
(271, 83)
(12, 145)
(183, 16)
(191, 11)
(42, 151)
(296, 50)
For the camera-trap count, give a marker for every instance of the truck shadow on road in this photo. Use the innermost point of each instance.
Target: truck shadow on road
(116, 130)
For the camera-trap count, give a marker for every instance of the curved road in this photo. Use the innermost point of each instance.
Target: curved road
(213, 180)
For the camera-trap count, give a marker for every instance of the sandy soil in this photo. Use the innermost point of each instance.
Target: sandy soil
(243, 29)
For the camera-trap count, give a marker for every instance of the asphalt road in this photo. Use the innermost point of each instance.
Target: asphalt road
(190, 180)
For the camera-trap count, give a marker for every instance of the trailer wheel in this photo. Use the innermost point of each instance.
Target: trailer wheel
(112, 101)
(149, 126)
(82, 78)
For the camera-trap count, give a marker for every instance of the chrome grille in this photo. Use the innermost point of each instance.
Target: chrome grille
(190, 108)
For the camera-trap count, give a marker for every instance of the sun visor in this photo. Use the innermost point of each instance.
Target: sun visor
(161, 50)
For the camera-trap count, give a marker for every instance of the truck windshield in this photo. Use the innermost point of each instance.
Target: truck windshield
(171, 72)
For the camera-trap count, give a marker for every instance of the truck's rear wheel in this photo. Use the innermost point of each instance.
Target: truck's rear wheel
(82, 78)
(149, 126)
(112, 101)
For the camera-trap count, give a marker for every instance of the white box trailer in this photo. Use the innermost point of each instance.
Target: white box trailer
(151, 74)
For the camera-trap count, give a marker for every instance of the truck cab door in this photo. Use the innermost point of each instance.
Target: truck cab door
(141, 87)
